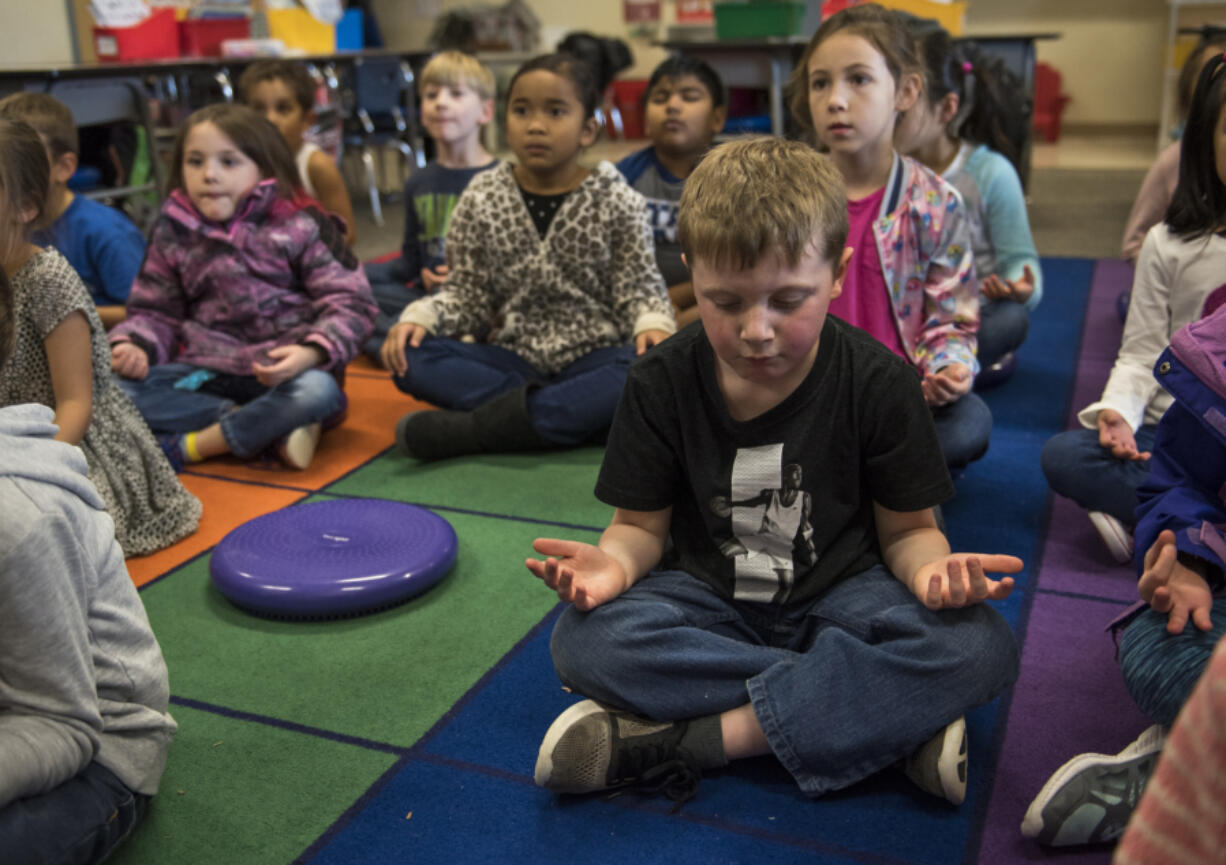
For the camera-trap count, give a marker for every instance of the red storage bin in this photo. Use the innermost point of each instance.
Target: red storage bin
(202, 37)
(628, 97)
(154, 38)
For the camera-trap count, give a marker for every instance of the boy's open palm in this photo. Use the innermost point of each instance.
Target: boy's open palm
(581, 574)
(960, 579)
(1173, 588)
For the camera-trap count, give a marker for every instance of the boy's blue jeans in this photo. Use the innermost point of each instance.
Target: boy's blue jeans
(78, 823)
(1079, 468)
(248, 426)
(569, 408)
(843, 686)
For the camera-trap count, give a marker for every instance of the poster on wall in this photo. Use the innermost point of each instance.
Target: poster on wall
(695, 12)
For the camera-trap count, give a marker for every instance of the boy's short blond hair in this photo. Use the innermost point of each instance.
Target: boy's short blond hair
(452, 68)
(50, 118)
(757, 196)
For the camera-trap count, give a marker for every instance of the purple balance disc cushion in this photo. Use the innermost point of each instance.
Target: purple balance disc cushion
(335, 558)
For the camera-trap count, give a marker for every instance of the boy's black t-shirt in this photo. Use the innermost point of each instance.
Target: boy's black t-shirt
(778, 508)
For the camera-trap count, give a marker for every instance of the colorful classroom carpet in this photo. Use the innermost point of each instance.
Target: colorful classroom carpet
(410, 735)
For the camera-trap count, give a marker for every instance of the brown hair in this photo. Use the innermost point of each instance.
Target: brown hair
(455, 68)
(294, 75)
(882, 28)
(251, 133)
(25, 183)
(50, 118)
(760, 195)
(8, 322)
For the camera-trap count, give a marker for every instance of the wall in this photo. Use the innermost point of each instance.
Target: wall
(35, 32)
(1110, 52)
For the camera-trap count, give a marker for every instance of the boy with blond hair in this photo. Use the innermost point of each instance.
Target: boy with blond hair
(103, 246)
(457, 101)
(773, 579)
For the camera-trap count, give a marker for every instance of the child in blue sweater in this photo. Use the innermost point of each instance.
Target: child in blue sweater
(103, 246)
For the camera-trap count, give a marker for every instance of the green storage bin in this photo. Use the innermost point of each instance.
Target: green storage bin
(754, 20)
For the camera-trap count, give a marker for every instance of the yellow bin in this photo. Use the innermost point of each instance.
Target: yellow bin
(949, 15)
(298, 28)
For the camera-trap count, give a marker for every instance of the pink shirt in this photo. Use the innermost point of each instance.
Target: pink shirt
(865, 302)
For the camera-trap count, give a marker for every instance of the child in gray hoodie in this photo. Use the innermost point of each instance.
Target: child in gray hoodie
(84, 729)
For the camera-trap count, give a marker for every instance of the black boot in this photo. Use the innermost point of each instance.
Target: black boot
(498, 426)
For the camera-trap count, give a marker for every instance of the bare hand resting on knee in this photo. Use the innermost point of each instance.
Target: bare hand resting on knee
(581, 574)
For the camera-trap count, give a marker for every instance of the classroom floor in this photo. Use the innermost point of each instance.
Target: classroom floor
(1080, 193)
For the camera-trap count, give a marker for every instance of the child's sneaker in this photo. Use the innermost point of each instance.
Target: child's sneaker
(939, 765)
(1115, 535)
(297, 448)
(172, 445)
(1091, 797)
(589, 748)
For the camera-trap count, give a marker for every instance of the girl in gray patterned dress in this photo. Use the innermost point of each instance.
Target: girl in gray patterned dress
(62, 360)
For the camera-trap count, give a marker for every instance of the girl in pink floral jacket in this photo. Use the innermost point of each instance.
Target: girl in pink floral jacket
(911, 280)
(248, 305)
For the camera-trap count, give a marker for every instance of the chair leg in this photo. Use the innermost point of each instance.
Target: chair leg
(372, 182)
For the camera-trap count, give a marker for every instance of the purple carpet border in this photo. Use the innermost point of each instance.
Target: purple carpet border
(1069, 693)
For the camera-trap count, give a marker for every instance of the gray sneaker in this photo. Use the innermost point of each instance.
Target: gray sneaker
(1090, 798)
(590, 748)
(939, 765)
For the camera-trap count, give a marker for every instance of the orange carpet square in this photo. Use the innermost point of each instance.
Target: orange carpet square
(227, 505)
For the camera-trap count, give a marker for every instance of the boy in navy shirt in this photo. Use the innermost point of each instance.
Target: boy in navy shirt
(684, 112)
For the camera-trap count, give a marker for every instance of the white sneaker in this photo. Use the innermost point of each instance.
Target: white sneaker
(297, 448)
(1091, 797)
(1115, 535)
(939, 765)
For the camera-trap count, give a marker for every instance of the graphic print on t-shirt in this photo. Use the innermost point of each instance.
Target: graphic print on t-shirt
(770, 516)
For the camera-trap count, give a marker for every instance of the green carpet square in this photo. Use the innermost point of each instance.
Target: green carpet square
(238, 791)
(387, 676)
(555, 486)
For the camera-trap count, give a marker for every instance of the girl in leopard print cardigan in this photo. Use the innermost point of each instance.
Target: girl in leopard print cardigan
(552, 269)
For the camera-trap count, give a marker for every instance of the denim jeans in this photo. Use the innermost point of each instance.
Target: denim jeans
(1003, 325)
(1081, 469)
(392, 294)
(568, 408)
(249, 424)
(964, 427)
(77, 823)
(843, 686)
(1160, 669)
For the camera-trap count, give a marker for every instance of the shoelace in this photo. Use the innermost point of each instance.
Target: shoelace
(676, 778)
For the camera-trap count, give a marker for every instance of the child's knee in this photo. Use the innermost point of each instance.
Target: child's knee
(319, 390)
(1159, 668)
